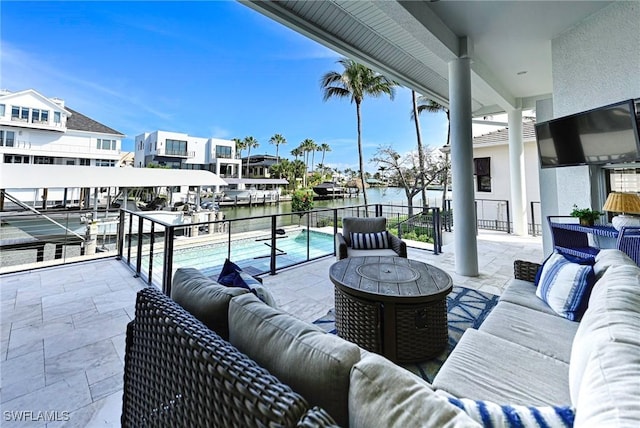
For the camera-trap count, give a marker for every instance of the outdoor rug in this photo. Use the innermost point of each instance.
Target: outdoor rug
(466, 308)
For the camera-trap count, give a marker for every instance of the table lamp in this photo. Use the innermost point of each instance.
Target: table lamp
(624, 203)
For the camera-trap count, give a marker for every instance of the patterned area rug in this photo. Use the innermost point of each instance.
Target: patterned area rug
(466, 308)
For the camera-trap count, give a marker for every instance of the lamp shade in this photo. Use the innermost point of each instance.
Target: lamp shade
(622, 203)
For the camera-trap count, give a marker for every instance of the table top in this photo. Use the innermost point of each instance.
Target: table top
(390, 278)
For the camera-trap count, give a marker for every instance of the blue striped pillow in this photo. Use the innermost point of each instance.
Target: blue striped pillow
(492, 415)
(370, 241)
(565, 286)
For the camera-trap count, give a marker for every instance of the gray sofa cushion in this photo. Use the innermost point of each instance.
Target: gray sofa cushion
(548, 334)
(383, 394)
(204, 298)
(523, 293)
(315, 364)
(486, 367)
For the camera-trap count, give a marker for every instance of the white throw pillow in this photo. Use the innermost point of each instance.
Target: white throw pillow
(370, 241)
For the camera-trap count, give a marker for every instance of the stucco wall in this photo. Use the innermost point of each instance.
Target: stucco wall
(594, 64)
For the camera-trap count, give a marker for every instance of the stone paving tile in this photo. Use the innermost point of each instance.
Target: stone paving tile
(67, 324)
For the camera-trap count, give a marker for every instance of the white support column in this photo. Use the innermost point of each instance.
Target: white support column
(516, 169)
(464, 218)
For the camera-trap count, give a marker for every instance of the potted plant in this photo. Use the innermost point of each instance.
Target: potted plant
(586, 215)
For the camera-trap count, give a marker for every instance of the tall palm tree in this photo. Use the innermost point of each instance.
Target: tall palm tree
(277, 139)
(250, 143)
(324, 147)
(430, 106)
(355, 82)
(240, 146)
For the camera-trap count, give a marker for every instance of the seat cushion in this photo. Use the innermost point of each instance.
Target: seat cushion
(486, 367)
(541, 332)
(313, 363)
(383, 394)
(204, 298)
(369, 253)
(523, 293)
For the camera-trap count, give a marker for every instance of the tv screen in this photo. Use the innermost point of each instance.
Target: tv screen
(605, 135)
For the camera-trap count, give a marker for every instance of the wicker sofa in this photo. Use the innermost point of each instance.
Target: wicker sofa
(254, 365)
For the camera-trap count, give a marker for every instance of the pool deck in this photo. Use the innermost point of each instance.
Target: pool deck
(63, 328)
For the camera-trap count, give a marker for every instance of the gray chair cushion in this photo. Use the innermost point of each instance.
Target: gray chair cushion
(204, 298)
(313, 363)
(548, 334)
(486, 367)
(362, 225)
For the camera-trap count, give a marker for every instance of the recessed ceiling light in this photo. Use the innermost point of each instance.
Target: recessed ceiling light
(520, 73)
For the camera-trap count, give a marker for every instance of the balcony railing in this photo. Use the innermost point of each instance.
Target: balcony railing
(176, 153)
(155, 248)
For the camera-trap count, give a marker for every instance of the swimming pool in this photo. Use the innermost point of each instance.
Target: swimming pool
(251, 254)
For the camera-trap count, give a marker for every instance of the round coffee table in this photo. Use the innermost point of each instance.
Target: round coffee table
(392, 306)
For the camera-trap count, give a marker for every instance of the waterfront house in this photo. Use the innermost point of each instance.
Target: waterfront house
(35, 129)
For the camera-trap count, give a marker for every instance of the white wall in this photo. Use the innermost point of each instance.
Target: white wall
(594, 64)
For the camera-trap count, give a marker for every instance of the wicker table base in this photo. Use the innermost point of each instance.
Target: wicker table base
(404, 319)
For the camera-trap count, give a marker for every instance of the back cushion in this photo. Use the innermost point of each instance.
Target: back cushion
(313, 363)
(385, 395)
(613, 316)
(610, 257)
(362, 225)
(204, 298)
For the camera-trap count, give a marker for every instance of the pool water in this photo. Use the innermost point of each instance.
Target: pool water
(254, 255)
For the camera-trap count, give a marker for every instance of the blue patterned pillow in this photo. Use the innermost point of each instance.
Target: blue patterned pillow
(370, 241)
(493, 415)
(565, 286)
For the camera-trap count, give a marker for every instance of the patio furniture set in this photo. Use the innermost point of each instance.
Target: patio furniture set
(220, 356)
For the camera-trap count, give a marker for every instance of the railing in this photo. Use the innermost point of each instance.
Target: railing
(177, 153)
(156, 247)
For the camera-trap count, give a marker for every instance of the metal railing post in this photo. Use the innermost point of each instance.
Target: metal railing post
(508, 218)
(272, 262)
(139, 258)
(335, 229)
(121, 234)
(533, 220)
(129, 239)
(168, 260)
(152, 240)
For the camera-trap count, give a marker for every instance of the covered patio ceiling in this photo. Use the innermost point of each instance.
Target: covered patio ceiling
(412, 42)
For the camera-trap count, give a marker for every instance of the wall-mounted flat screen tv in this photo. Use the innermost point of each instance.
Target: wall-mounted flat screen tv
(604, 135)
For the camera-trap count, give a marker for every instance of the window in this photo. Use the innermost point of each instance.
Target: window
(56, 117)
(16, 159)
(7, 138)
(39, 116)
(105, 162)
(43, 160)
(176, 147)
(223, 152)
(482, 171)
(2, 107)
(20, 113)
(85, 162)
(106, 144)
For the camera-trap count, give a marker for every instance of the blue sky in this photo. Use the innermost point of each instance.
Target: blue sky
(208, 69)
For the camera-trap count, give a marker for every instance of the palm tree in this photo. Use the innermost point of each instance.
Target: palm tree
(240, 146)
(324, 147)
(297, 152)
(277, 139)
(306, 146)
(356, 81)
(430, 106)
(250, 143)
(416, 120)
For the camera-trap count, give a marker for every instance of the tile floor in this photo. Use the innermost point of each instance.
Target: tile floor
(63, 328)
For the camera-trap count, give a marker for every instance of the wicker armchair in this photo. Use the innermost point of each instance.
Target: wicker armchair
(366, 225)
(178, 373)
